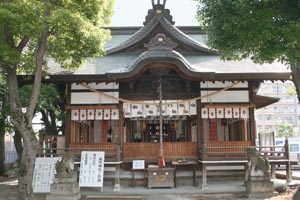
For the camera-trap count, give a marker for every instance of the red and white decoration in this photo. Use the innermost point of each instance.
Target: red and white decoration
(170, 108)
(220, 113)
(94, 114)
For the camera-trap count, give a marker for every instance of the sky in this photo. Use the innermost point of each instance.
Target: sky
(133, 12)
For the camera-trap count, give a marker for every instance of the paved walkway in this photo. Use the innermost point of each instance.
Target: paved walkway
(216, 190)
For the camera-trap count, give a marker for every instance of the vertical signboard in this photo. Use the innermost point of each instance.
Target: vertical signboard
(44, 173)
(91, 169)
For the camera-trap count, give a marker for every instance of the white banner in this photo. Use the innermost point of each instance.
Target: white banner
(204, 113)
(212, 112)
(115, 114)
(75, 115)
(99, 114)
(236, 112)
(245, 113)
(127, 110)
(193, 108)
(107, 114)
(91, 169)
(82, 115)
(91, 114)
(152, 110)
(137, 110)
(220, 113)
(228, 112)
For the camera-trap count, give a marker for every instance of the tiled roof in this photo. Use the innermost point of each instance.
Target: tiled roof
(171, 29)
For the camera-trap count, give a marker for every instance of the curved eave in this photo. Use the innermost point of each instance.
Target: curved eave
(174, 31)
(263, 101)
(179, 35)
(160, 56)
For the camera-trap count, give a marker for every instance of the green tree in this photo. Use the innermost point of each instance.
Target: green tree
(32, 31)
(285, 130)
(50, 104)
(263, 30)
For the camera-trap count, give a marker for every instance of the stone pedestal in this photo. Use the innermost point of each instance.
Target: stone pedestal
(64, 189)
(259, 187)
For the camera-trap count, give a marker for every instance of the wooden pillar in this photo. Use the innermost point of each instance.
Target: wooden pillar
(288, 163)
(200, 133)
(245, 130)
(251, 115)
(121, 125)
(213, 129)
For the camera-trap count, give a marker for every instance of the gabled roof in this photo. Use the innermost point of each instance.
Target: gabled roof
(159, 19)
(129, 53)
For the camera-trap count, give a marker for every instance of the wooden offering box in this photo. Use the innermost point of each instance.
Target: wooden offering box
(160, 177)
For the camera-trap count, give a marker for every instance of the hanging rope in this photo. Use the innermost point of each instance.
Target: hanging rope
(142, 102)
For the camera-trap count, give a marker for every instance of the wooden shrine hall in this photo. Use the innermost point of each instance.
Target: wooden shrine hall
(161, 71)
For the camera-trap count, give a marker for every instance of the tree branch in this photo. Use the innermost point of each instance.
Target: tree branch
(41, 49)
(23, 43)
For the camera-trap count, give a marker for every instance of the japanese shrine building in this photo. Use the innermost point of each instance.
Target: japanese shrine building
(203, 98)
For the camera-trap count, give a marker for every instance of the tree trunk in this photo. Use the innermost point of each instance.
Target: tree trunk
(296, 79)
(2, 152)
(18, 144)
(26, 165)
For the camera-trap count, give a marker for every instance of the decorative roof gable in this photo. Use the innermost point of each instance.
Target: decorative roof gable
(159, 21)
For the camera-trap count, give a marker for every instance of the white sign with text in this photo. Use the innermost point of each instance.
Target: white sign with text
(91, 169)
(44, 174)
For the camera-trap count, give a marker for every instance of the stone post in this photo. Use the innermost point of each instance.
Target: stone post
(65, 186)
(259, 183)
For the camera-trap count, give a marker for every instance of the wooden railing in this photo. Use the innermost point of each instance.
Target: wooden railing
(235, 153)
(77, 148)
(109, 148)
(149, 151)
(215, 150)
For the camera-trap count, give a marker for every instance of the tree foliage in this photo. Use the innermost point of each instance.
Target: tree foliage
(285, 130)
(32, 31)
(264, 30)
(50, 105)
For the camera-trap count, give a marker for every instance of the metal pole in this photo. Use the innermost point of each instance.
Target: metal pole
(161, 160)
(160, 114)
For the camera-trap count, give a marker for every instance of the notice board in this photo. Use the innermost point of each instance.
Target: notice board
(44, 174)
(91, 169)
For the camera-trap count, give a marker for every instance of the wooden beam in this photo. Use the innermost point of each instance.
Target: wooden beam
(91, 107)
(230, 106)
